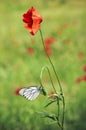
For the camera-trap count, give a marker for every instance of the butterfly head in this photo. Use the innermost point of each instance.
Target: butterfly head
(41, 89)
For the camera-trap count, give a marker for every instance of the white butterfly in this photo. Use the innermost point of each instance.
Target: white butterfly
(32, 92)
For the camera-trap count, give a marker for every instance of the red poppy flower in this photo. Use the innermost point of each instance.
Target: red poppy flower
(49, 40)
(80, 79)
(17, 90)
(84, 68)
(48, 50)
(32, 19)
(80, 55)
(30, 50)
(84, 78)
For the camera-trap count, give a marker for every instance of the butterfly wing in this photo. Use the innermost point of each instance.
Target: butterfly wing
(30, 93)
(21, 91)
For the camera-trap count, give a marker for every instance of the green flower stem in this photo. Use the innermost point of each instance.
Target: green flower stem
(63, 112)
(43, 68)
(61, 91)
(41, 74)
(58, 108)
(51, 63)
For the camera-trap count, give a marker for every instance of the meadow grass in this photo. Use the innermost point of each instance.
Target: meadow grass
(66, 23)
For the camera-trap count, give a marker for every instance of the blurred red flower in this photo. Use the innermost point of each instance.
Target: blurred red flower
(51, 94)
(48, 50)
(80, 79)
(17, 91)
(67, 41)
(32, 19)
(49, 40)
(65, 25)
(84, 68)
(75, 23)
(30, 50)
(80, 55)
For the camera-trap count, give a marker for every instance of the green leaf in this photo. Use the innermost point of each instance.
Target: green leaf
(51, 116)
(47, 115)
(49, 103)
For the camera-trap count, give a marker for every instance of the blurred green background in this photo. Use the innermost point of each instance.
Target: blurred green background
(65, 20)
